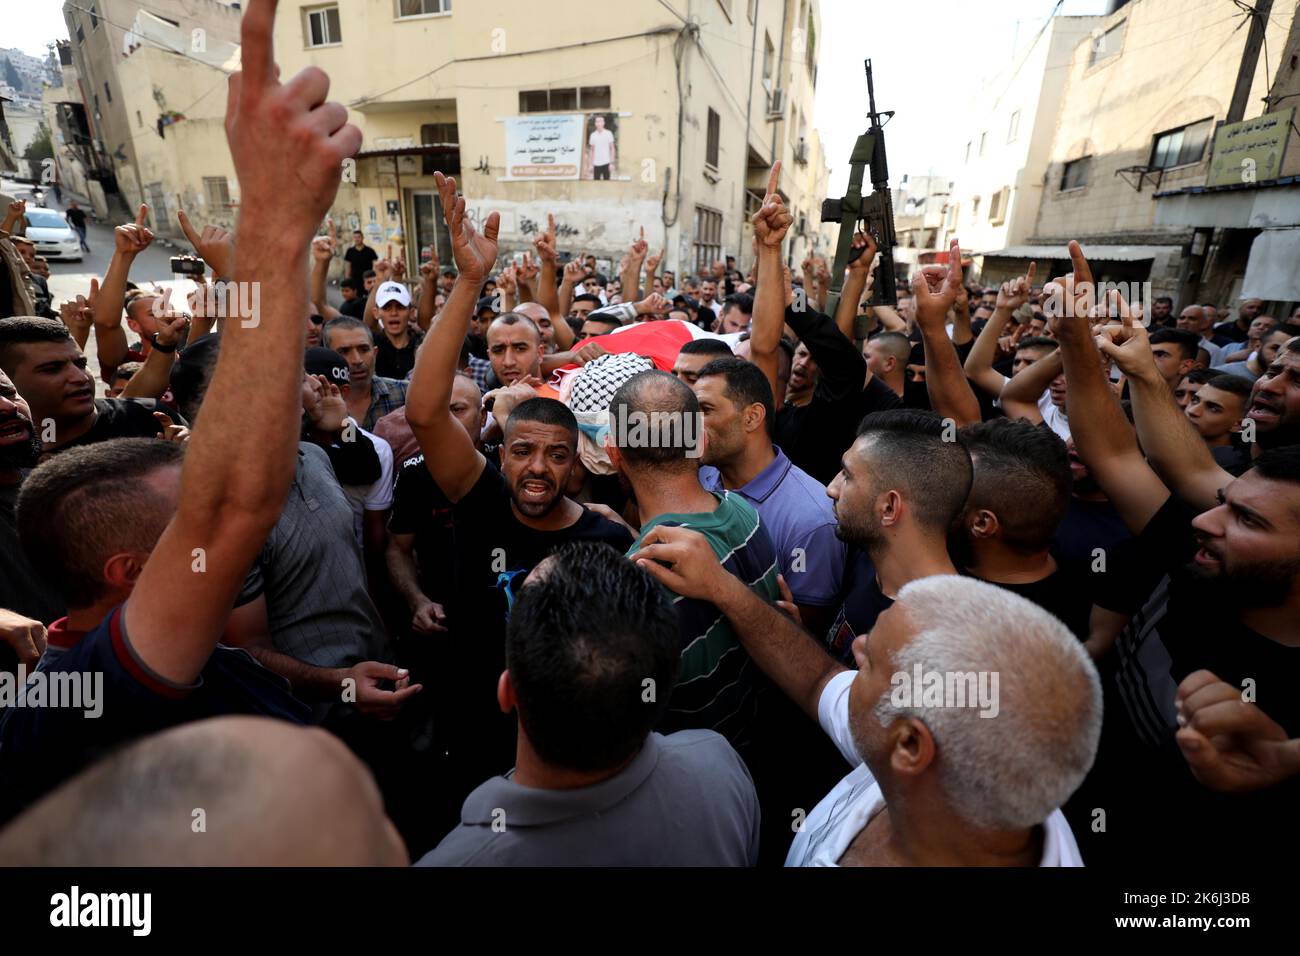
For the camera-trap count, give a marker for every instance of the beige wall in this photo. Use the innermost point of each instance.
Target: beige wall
(488, 54)
(1031, 84)
(1178, 65)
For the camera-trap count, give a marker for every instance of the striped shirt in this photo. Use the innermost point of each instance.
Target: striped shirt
(717, 686)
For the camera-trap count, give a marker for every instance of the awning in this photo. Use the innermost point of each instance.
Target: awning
(1271, 272)
(1100, 253)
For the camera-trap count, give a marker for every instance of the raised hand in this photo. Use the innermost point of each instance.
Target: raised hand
(935, 288)
(864, 262)
(772, 221)
(215, 244)
(171, 326)
(1015, 292)
(636, 255)
(383, 270)
(526, 272)
(574, 271)
(506, 284)
(545, 243)
(134, 237)
(652, 263)
(1126, 344)
(287, 141)
(475, 253)
(322, 249)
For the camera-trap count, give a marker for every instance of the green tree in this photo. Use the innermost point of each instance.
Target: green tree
(41, 147)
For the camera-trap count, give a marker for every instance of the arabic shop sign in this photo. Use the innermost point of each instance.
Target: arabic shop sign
(543, 147)
(1250, 151)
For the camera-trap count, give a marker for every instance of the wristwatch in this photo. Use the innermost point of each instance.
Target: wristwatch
(165, 349)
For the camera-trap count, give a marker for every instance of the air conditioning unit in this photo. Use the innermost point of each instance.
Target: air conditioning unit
(801, 152)
(776, 104)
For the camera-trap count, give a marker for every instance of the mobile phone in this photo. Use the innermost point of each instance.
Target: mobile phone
(187, 266)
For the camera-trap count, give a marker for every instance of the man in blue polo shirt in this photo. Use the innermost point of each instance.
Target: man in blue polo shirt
(736, 402)
(153, 588)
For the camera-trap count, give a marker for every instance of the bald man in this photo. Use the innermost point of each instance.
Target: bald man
(887, 355)
(230, 791)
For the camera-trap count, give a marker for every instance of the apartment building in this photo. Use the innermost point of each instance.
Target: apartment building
(642, 114)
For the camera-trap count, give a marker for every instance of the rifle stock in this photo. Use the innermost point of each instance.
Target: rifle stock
(875, 212)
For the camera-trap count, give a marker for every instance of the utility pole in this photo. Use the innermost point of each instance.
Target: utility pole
(1249, 60)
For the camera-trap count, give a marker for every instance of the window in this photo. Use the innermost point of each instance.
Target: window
(753, 201)
(810, 55)
(94, 17)
(711, 144)
(431, 133)
(1014, 131)
(564, 99)
(968, 145)
(108, 94)
(81, 34)
(998, 205)
(594, 98)
(139, 120)
(983, 138)
(533, 101)
(422, 8)
(1182, 146)
(1075, 174)
(708, 238)
(975, 209)
(217, 191)
(769, 56)
(322, 27)
(567, 99)
(1108, 44)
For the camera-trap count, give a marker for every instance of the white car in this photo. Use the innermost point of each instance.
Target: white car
(54, 238)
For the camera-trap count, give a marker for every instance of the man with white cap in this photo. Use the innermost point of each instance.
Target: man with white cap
(396, 342)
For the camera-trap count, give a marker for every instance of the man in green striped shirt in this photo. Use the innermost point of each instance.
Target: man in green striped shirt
(656, 441)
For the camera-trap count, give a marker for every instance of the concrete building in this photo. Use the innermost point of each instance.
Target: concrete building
(141, 113)
(922, 210)
(695, 106)
(1012, 117)
(1143, 98)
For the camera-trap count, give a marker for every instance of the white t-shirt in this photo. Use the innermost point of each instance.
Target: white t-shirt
(601, 142)
(841, 815)
(373, 497)
(1053, 417)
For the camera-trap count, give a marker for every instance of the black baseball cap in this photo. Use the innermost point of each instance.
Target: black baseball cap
(327, 362)
(486, 304)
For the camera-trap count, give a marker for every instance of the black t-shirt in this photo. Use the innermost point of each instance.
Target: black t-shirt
(420, 508)
(1234, 459)
(392, 362)
(1066, 593)
(124, 418)
(1087, 526)
(360, 261)
(816, 436)
(863, 603)
(492, 547)
(1154, 806)
(77, 217)
(354, 308)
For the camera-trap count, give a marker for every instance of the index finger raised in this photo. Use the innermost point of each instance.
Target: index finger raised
(773, 177)
(257, 51)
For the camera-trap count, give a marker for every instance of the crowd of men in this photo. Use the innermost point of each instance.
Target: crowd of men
(517, 563)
